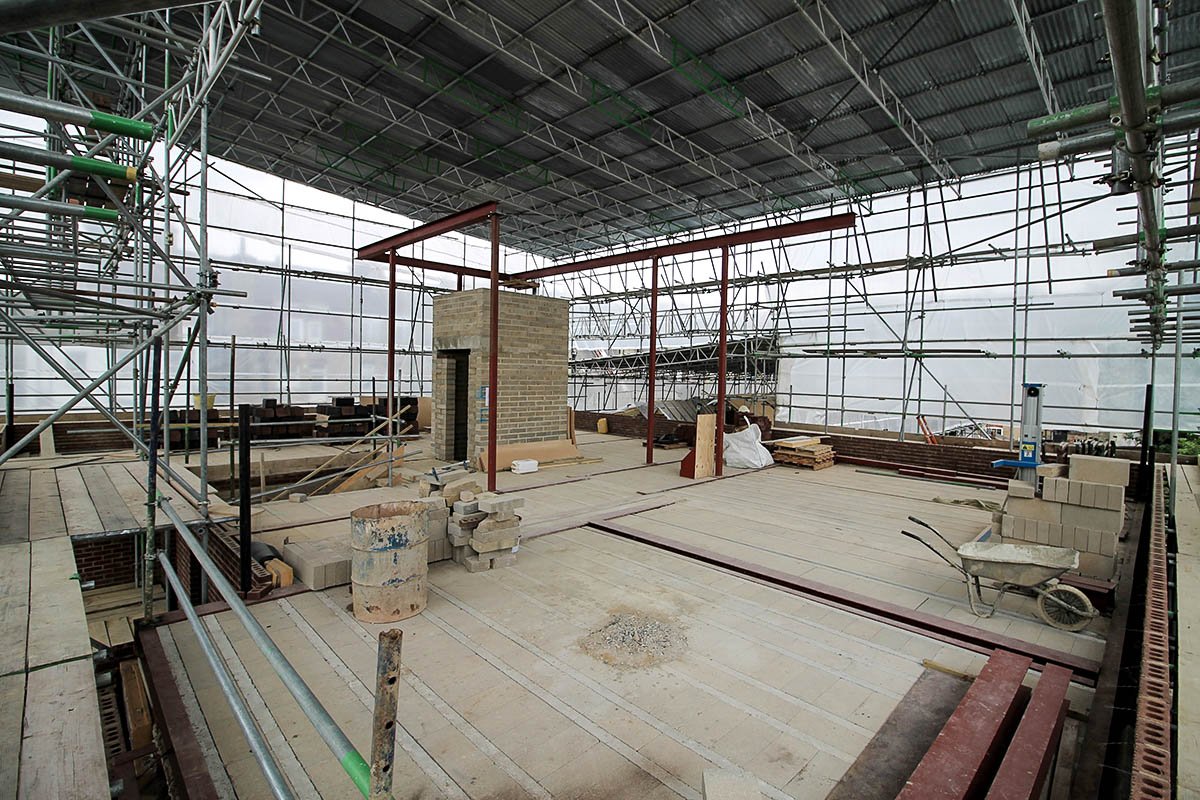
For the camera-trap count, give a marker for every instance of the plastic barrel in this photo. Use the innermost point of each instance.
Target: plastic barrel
(389, 566)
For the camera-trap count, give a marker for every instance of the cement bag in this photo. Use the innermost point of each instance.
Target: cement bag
(744, 450)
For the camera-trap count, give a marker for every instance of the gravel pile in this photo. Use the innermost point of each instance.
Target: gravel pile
(635, 639)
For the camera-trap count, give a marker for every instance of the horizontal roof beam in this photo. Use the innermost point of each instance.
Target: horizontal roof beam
(786, 231)
(378, 251)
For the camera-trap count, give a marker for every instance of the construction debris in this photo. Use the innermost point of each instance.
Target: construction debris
(635, 639)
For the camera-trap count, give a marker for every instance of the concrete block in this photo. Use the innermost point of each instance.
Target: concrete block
(500, 504)
(1108, 543)
(493, 524)
(1097, 519)
(1087, 494)
(1115, 498)
(475, 563)
(466, 507)
(434, 504)
(1074, 492)
(1054, 489)
(439, 549)
(724, 784)
(1098, 469)
(297, 497)
(319, 564)
(1094, 565)
(459, 554)
(453, 490)
(504, 560)
(1020, 489)
(437, 528)
(1043, 532)
(424, 488)
(486, 546)
(1051, 470)
(1039, 510)
(459, 538)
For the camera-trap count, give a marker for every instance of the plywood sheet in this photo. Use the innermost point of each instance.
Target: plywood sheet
(706, 433)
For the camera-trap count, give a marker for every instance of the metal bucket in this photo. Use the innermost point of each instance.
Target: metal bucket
(389, 566)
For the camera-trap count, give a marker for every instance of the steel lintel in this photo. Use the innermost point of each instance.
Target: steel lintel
(378, 251)
(439, 266)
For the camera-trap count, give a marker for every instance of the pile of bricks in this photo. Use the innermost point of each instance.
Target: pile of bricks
(287, 421)
(1082, 506)
(347, 417)
(482, 529)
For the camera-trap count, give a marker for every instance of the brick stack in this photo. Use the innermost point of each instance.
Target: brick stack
(271, 410)
(495, 539)
(1081, 506)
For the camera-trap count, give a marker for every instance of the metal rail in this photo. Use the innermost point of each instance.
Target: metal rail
(245, 720)
(339, 744)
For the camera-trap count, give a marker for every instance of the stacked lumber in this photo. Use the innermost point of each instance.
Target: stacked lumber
(809, 452)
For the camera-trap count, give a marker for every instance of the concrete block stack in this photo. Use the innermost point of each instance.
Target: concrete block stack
(1081, 506)
(319, 564)
(436, 528)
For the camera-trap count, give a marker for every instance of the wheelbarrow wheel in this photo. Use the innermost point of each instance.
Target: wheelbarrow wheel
(1065, 607)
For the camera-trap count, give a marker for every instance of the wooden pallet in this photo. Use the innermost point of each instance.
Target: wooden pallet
(809, 462)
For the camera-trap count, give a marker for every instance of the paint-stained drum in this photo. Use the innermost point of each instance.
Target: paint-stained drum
(389, 569)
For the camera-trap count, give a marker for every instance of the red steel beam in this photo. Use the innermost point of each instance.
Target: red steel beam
(961, 760)
(438, 266)
(378, 250)
(722, 360)
(493, 352)
(653, 357)
(1026, 764)
(391, 359)
(836, 222)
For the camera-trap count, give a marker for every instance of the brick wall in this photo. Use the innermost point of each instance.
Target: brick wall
(112, 561)
(532, 377)
(108, 562)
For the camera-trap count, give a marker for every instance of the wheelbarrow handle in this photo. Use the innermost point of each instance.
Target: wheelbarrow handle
(933, 550)
(934, 530)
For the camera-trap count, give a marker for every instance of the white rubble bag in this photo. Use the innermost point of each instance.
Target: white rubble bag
(744, 449)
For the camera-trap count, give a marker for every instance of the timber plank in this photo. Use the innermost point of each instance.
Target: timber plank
(57, 624)
(14, 507)
(131, 492)
(12, 717)
(46, 517)
(14, 606)
(62, 750)
(114, 515)
(78, 509)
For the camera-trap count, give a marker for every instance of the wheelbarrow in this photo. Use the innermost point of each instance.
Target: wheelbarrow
(1029, 569)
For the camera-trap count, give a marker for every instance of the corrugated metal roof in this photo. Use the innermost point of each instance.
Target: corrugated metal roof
(369, 121)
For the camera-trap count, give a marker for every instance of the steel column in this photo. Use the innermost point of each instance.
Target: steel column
(722, 357)
(651, 363)
(391, 358)
(245, 524)
(493, 352)
(149, 546)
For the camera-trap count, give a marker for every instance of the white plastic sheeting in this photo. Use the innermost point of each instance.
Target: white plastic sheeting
(1090, 384)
